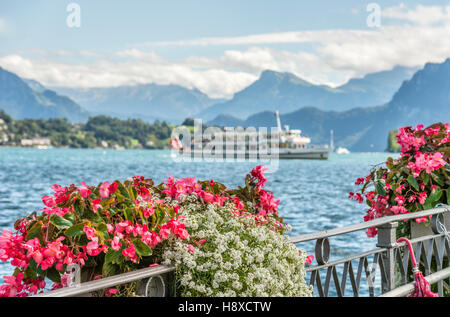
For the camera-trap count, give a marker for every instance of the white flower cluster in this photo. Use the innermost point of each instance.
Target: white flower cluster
(239, 257)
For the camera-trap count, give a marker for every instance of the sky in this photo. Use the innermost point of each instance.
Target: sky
(218, 47)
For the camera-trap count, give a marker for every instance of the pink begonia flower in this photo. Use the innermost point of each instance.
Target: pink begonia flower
(130, 252)
(144, 193)
(258, 173)
(121, 226)
(109, 228)
(191, 248)
(151, 239)
(164, 233)
(111, 291)
(93, 248)
(148, 212)
(90, 232)
(38, 257)
(84, 190)
(372, 232)
(207, 197)
(48, 201)
(115, 243)
(400, 200)
(96, 204)
(400, 188)
(106, 189)
(200, 242)
(399, 210)
(422, 198)
(422, 219)
(309, 259)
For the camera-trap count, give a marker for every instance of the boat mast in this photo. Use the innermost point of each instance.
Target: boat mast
(331, 140)
(277, 114)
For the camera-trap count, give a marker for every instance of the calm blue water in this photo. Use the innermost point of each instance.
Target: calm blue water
(313, 193)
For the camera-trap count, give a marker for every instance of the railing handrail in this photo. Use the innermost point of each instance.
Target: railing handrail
(407, 289)
(368, 224)
(107, 282)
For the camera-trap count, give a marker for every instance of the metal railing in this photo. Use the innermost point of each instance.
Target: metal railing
(388, 261)
(388, 264)
(154, 283)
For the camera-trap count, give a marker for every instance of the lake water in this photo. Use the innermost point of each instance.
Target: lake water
(313, 193)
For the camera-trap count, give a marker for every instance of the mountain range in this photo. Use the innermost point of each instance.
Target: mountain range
(30, 100)
(26, 98)
(286, 92)
(425, 98)
(148, 102)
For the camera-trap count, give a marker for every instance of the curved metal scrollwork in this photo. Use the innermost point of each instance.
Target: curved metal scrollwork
(322, 251)
(153, 287)
(437, 223)
(74, 273)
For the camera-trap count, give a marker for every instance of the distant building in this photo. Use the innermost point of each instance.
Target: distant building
(38, 142)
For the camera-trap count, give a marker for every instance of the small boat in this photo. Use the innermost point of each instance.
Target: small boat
(342, 150)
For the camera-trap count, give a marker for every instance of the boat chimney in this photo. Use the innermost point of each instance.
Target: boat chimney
(277, 115)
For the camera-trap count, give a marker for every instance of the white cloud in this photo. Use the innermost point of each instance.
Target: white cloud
(422, 15)
(217, 83)
(335, 56)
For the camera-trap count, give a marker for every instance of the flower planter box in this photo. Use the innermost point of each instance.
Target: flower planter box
(420, 230)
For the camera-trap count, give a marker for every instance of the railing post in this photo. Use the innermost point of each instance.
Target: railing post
(387, 239)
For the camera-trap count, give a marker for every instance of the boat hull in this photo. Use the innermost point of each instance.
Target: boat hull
(308, 154)
(284, 154)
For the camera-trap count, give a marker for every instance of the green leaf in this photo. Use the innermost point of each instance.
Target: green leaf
(30, 273)
(75, 230)
(108, 269)
(132, 192)
(437, 178)
(54, 275)
(413, 182)
(161, 215)
(128, 213)
(94, 217)
(34, 230)
(435, 196)
(60, 222)
(103, 230)
(379, 185)
(426, 178)
(70, 216)
(141, 248)
(112, 256)
(448, 195)
(123, 190)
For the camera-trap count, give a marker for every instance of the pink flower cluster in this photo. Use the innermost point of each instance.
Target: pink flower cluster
(421, 154)
(61, 195)
(267, 203)
(21, 253)
(427, 162)
(121, 221)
